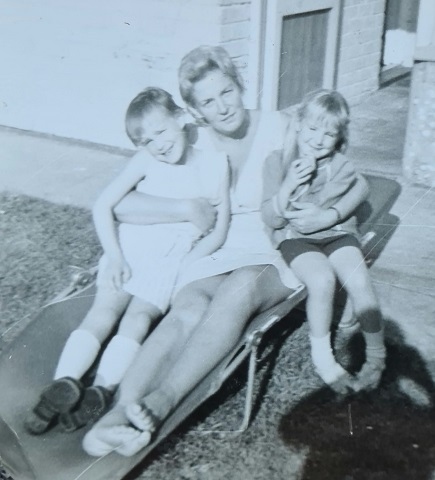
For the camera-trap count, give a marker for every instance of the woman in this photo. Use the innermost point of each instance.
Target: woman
(218, 295)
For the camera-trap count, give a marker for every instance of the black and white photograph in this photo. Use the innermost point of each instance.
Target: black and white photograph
(217, 239)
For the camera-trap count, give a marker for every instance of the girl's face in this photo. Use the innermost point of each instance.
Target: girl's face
(318, 136)
(162, 134)
(218, 99)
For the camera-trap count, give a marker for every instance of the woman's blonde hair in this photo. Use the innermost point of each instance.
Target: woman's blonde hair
(198, 62)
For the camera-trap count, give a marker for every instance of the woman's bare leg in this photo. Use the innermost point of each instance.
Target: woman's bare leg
(159, 352)
(244, 293)
(165, 343)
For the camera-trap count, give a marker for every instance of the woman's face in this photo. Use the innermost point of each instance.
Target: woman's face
(218, 99)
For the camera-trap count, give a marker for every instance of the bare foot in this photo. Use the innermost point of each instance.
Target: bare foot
(113, 433)
(148, 414)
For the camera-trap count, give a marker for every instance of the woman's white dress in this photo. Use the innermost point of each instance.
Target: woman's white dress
(154, 252)
(247, 242)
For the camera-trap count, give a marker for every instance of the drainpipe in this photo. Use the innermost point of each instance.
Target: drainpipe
(255, 54)
(419, 152)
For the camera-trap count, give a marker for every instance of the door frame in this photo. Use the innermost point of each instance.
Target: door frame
(276, 11)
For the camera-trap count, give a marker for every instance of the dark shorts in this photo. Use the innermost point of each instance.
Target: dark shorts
(292, 248)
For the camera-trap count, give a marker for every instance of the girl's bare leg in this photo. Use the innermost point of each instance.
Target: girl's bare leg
(83, 345)
(124, 346)
(350, 267)
(348, 262)
(108, 307)
(245, 292)
(315, 271)
(78, 355)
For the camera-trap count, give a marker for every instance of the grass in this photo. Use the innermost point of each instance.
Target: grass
(300, 430)
(40, 242)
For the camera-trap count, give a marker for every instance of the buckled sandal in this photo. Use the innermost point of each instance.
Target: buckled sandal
(58, 398)
(95, 402)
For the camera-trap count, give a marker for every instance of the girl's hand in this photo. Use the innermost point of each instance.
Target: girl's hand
(309, 218)
(304, 168)
(119, 272)
(202, 214)
(299, 172)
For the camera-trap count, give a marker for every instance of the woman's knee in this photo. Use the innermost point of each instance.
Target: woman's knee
(255, 288)
(245, 281)
(186, 312)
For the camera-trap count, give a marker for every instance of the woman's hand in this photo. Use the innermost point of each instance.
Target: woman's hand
(119, 272)
(202, 214)
(309, 218)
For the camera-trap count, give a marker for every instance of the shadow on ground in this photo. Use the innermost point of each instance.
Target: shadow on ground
(385, 434)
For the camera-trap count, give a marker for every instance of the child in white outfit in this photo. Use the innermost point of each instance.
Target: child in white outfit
(140, 265)
(318, 258)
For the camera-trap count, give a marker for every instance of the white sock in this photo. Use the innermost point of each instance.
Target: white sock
(323, 359)
(78, 354)
(115, 361)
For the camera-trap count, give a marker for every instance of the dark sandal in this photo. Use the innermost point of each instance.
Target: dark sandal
(57, 398)
(95, 402)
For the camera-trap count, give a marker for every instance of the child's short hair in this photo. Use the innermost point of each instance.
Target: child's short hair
(200, 61)
(143, 103)
(328, 105)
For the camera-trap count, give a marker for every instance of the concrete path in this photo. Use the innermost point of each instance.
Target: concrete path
(74, 173)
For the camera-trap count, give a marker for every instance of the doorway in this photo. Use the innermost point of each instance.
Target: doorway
(300, 49)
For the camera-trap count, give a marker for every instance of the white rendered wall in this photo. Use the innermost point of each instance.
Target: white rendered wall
(399, 48)
(70, 67)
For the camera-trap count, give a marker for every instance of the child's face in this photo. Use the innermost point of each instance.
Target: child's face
(162, 135)
(318, 136)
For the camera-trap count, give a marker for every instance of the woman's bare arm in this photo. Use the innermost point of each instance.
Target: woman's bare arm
(142, 209)
(359, 192)
(310, 218)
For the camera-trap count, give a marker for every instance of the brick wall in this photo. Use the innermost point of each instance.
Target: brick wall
(235, 19)
(360, 48)
(360, 45)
